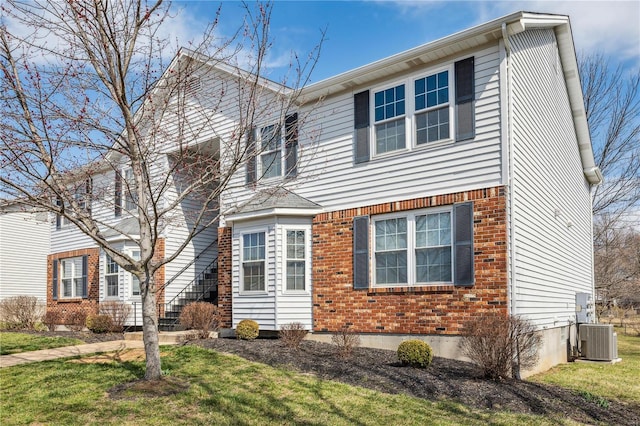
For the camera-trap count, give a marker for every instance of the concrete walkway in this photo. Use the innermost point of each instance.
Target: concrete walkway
(67, 351)
(132, 341)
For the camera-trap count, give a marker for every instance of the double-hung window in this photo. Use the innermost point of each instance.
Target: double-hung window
(296, 263)
(389, 114)
(253, 261)
(432, 108)
(414, 248)
(271, 151)
(131, 196)
(135, 282)
(111, 277)
(71, 271)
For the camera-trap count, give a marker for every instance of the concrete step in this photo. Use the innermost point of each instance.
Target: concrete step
(170, 337)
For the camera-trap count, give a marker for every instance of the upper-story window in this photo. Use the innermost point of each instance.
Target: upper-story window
(424, 108)
(271, 151)
(432, 107)
(130, 197)
(389, 111)
(82, 196)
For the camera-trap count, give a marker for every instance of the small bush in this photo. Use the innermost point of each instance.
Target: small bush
(117, 311)
(201, 316)
(292, 335)
(415, 353)
(99, 323)
(501, 345)
(346, 341)
(21, 312)
(76, 320)
(51, 319)
(247, 330)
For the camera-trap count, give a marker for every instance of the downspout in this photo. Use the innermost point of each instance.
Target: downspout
(511, 199)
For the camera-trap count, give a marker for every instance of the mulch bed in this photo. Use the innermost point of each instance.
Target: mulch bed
(379, 370)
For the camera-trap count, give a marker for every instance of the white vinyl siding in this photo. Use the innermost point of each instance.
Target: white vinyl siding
(24, 246)
(429, 169)
(277, 305)
(552, 210)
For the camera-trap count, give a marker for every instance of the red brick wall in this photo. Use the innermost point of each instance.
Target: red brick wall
(224, 275)
(66, 307)
(415, 310)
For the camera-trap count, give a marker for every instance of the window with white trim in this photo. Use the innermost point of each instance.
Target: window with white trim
(111, 277)
(253, 262)
(135, 282)
(71, 277)
(296, 259)
(130, 195)
(271, 151)
(389, 112)
(413, 113)
(413, 248)
(432, 108)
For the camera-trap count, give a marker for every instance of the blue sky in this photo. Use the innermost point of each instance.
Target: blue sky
(358, 33)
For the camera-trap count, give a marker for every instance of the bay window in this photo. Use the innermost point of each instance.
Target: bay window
(253, 262)
(296, 262)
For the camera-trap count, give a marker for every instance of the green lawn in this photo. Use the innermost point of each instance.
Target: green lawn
(225, 390)
(12, 343)
(598, 380)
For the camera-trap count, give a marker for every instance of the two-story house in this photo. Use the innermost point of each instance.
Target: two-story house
(444, 183)
(402, 198)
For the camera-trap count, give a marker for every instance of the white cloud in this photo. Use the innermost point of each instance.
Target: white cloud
(611, 27)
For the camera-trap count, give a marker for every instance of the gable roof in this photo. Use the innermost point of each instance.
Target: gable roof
(462, 41)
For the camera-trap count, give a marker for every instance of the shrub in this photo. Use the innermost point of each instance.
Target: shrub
(99, 323)
(247, 330)
(501, 345)
(51, 319)
(117, 311)
(201, 316)
(76, 320)
(21, 312)
(292, 335)
(415, 353)
(346, 341)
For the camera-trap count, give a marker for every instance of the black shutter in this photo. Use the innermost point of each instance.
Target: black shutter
(118, 195)
(85, 270)
(54, 283)
(465, 95)
(251, 158)
(361, 126)
(291, 144)
(88, 195)
(463, 244)
(58, 217)
(361, 252)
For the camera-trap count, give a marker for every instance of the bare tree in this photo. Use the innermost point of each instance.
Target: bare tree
(87, 93)
(617, 263)
(612, 104)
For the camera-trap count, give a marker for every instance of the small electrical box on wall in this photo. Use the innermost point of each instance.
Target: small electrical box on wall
(585, 308)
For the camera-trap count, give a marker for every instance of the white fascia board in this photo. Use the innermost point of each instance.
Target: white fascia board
(260, 214)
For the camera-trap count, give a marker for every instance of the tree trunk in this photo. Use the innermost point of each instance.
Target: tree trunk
(150, 331)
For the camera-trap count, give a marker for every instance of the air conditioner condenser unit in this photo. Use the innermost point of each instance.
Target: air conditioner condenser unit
(598, 342)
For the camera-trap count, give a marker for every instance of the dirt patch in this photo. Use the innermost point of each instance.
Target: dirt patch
(127, 355)
(456, 380)
(167, 386)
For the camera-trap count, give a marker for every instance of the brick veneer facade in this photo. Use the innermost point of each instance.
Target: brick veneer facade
(224, 276)
(90, 304)
(414, 310)
(66, 307)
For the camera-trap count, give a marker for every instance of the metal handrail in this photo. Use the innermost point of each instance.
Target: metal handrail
(185, 267)
(172, 302)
